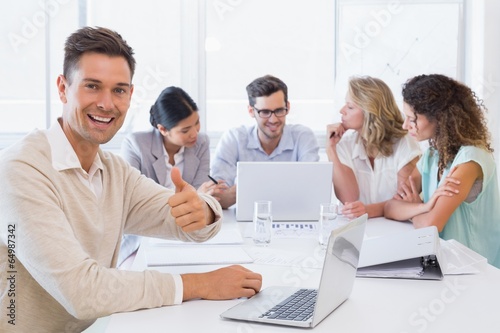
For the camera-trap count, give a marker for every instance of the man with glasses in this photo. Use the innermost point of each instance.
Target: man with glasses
(270, 139)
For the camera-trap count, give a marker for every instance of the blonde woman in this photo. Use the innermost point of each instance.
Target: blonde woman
(372, 154)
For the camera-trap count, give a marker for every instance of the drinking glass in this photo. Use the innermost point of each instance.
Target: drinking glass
(262, 222)
(327, 221)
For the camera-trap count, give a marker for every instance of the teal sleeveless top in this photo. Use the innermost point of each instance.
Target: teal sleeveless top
(476, 222)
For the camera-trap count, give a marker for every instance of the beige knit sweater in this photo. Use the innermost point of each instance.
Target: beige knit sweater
(66, 242)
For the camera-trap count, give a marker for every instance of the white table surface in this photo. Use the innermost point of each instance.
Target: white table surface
(458, 303)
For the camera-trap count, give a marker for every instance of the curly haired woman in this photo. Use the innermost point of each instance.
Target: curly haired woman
(372, 161)
(457, 175)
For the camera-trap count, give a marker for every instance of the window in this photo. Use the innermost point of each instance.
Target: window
(30, 54)
(396, 40)
(214, 48)
(153, 30)
(293, 40)
(316, 46)
(35, 33)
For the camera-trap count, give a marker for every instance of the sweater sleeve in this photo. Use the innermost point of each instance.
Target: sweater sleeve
(147, 213)
(55, 253)
(66, 250)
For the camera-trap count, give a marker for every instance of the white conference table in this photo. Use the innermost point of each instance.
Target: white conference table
(458, 303)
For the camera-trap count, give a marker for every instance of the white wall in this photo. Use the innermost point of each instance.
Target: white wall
(482, 66)
(491, 73)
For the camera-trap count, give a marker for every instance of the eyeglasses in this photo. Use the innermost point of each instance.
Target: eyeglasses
(265, 113)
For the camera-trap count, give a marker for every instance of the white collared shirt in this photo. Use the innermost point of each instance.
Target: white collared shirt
(380, 182)
(178, 162)
(64, 158)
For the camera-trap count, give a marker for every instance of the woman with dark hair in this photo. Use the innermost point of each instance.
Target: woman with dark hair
(174, 140)
(455, 185)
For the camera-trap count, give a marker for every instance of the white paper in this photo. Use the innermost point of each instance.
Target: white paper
(228, 234)
(196, 255)
(287, 230)
(459, 259)
(273, 256)
(408, 269)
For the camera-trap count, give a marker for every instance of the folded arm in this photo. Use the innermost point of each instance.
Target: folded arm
(444, 201)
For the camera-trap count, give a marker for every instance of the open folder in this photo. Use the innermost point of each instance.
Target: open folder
(415, 254)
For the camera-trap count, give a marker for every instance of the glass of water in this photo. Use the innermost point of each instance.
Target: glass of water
(262, 222)
(327, 221)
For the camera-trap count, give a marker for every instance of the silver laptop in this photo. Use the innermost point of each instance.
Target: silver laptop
(337, 279)
(296, 189)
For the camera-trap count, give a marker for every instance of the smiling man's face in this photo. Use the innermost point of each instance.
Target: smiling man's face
(96, 99)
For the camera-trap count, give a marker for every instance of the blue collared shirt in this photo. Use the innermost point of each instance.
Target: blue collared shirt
(297, 143)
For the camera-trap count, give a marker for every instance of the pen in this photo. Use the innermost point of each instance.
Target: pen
(213, 179)
(331, 135)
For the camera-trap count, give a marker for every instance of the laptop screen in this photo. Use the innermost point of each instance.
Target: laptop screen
(296, 189)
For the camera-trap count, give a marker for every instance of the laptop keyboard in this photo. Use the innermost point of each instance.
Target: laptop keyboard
(297, 307)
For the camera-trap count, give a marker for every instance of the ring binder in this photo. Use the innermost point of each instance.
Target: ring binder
(410, 255)
(429, 261)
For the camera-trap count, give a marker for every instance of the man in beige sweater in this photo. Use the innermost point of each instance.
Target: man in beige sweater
(65, 203)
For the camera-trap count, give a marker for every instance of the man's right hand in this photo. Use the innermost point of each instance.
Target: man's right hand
(224, 283)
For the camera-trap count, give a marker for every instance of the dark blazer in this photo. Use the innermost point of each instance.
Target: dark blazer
(144, 151)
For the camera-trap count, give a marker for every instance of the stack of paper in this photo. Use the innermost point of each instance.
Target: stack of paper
(266, 256)
(229, 234)
(405, 269)
(196, 255)
(220, 249)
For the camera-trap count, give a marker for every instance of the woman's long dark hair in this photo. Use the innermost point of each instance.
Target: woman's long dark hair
(455, 109)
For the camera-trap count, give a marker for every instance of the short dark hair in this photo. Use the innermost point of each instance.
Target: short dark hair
(97, 40)
(265, 86)
(172, 105)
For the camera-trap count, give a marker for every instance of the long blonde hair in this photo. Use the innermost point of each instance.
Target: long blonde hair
(383, 121)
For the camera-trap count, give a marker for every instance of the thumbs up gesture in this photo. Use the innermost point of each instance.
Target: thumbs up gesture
(189, 210)
(180, 184)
